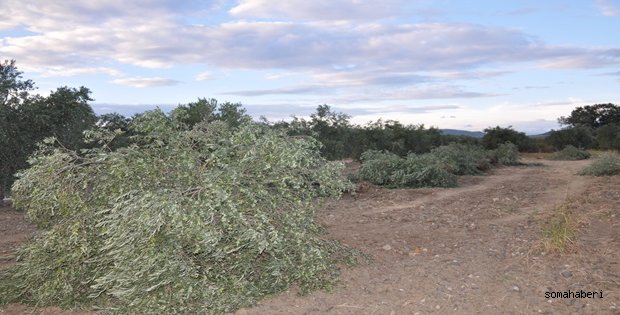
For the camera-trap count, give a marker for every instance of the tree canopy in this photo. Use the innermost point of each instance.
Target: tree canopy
(593, 116)
(495, 136)
(27, 119)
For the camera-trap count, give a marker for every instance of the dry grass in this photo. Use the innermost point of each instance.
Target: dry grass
(560, 231)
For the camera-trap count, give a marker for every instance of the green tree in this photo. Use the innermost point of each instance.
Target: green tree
(64, 114)
(25, 120)
(14, 133)
(495, 136)
(608, 137)
(579, 136)
(593, 116)
(209, 110)
(195, 112)
(233, 114)
(13, 90)
(213, 218)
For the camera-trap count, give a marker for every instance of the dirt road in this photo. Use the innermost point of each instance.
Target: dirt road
(472, 249)
(467, 250)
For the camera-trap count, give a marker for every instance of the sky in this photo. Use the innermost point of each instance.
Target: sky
(443, 63)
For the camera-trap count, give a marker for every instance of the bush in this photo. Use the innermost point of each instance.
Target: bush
(414, 171)
(570, 153)
(377, 167)
(606, 165)
(496, 136)
(461, 159)
(423, 171)
(505, 154)
(199, 221)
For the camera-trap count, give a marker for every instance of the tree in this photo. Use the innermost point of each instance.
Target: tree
(608, 137)
(579, 137)
(593, 116)
(214, 218)
(25, 120)
(64, 114)
(233, 114)
(495, 136)
(13, 90)
(13, 139)
(193, 113)
(209, 110)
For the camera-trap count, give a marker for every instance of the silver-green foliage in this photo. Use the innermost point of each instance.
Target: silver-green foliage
(461, 159)
(383, 168)
(439, 168)
(191, 221)
(505, 154)
(607, 164)
(570, 153)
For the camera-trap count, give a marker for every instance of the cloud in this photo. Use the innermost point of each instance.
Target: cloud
(425, 92)
(597, 59)
(609, 7)
(204, 76)
(409, 108)
(303, 89)
(613, 74)
(319, 9)
(77, 37)
(141, 82)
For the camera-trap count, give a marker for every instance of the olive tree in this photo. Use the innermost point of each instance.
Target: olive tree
(203, 220)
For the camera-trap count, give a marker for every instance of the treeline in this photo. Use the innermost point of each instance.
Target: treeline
(27, 119)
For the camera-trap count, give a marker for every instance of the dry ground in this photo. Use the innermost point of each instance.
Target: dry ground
(474, 249)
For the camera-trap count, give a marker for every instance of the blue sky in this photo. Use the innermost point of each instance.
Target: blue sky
(450, 64)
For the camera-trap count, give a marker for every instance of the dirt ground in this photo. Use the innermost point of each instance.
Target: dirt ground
(474, 249)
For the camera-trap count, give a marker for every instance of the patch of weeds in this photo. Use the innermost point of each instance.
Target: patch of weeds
(559, 231)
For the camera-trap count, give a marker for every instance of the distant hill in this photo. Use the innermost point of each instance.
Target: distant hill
(457, 132)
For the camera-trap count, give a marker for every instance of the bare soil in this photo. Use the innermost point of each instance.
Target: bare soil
(474, 249)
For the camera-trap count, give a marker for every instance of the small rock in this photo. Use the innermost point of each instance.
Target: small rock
(567, 274)
(495, 199)
(437, 307)
(387, 247)
(516, 288)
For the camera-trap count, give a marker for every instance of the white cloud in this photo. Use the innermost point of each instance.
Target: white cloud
(204, 76)
(317, 10)
(418, 92)
(609, 7)
(302, 89)
(141, 82)
(77, 37)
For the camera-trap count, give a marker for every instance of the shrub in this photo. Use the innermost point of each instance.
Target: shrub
(414, 171)
(505, 154)
(423, 171)
(494, 137)
(570, 153)
(461, 159)
(377, 167)
(606, 165)
(200, 221)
